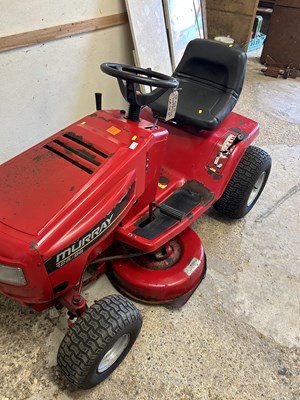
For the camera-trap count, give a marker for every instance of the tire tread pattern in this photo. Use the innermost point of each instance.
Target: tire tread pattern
(91, 333)
(233, 202)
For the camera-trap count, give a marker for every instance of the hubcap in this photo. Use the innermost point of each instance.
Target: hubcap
(113, 353)
(256, 189)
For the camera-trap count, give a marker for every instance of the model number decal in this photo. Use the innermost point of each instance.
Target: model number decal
(88, 239)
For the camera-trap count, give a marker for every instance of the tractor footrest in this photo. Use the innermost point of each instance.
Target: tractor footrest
(173, 210)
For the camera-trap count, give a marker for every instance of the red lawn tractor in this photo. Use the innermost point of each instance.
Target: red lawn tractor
(116, 192)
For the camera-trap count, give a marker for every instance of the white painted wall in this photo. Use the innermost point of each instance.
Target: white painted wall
(46, 87)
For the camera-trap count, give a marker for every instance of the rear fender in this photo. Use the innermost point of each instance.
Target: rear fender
(226, 156)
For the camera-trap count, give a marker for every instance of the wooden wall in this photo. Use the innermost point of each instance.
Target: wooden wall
(234, 18)
(283, 39)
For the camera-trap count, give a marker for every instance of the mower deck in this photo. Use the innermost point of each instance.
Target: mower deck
(162, 278)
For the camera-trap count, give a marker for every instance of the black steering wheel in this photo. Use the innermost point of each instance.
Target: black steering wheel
(128, 76)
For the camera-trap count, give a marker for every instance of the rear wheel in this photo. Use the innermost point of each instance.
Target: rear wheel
(98, 341)
(246, 184)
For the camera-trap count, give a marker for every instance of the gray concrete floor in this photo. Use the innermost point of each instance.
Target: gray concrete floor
(238, 337)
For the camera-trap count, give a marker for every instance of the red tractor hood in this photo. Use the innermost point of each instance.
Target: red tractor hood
(41, 184)
(35, 186)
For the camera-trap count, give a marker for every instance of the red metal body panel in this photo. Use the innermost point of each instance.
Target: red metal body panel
(47, 202)
(189, 156)
(67, 199)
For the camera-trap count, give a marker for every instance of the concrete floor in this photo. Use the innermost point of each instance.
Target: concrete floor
(239, 335)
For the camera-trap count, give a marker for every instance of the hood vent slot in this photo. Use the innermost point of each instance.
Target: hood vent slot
(71, 160)
(81, 153)
(73, 148)
(78, 139)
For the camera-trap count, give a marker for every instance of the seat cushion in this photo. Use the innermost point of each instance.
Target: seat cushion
(199, 105)
(214, 62)
(211, 76)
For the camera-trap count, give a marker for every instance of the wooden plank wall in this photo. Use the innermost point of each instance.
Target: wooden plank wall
(55, 32)
(233, 18)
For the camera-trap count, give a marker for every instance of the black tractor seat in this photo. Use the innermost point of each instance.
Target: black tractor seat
(211, 76)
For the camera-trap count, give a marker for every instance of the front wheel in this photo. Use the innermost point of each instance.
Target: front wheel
(246, 184)
(98, 341)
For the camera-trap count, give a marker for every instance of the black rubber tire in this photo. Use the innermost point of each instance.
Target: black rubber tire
(93, 335)
(233, 202)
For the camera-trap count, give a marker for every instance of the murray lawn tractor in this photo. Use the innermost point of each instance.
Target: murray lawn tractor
(116, 192)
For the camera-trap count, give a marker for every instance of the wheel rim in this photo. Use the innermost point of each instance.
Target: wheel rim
(256, 189)
(113, 353)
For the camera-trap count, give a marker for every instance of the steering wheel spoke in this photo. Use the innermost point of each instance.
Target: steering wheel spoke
(128, 78)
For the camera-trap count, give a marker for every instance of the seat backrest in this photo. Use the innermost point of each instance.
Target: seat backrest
(214, 63)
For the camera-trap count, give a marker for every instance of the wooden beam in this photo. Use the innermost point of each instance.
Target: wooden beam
(60, 31)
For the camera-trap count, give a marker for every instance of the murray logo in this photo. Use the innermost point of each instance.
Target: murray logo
(77, 248)
(91, 237)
